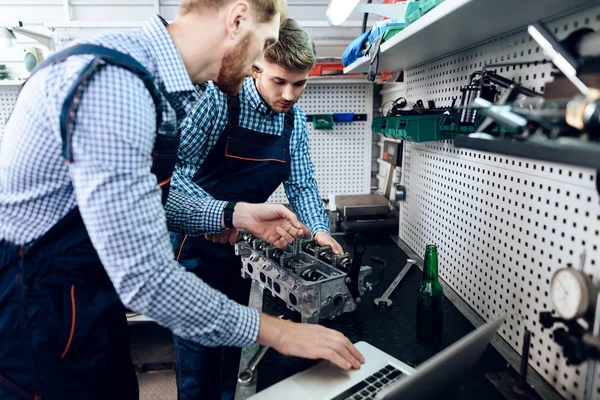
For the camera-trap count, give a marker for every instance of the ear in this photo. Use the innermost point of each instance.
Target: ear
(237, 16)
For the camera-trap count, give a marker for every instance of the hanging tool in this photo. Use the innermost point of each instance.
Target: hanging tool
(352, 277)
(384, 301)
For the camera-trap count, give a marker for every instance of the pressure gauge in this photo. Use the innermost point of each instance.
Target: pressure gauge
(572, 293)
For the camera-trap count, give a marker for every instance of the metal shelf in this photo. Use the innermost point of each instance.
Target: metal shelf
(337, 79)
(562, 150)
(11, 82)
(459, 24)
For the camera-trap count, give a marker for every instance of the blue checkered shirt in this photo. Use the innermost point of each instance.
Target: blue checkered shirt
(201, 130)
(111, 183)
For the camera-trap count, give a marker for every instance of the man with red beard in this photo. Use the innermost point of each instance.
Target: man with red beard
(85, 160)
(239, 149)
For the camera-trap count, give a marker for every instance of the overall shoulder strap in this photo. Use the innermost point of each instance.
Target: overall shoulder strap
(233, 107)
(288, 126)
(103, 56)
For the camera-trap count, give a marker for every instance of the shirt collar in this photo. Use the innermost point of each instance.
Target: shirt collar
(253, 97)
(171, 70)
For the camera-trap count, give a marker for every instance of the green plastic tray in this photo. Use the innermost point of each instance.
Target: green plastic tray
(413, 13)
(413, 128)
(450, 124)
(391, 32)
(426, 5)
(323, 121)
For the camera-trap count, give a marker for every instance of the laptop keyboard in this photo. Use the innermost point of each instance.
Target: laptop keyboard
(372, 385)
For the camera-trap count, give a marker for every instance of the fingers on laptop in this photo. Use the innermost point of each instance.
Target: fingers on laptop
(327, 344)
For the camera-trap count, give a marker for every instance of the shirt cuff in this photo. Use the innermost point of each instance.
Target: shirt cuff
(246, 328)
(213, 215)
(319, 227)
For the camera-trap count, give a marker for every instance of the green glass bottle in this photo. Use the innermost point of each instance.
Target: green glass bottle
(430, 300)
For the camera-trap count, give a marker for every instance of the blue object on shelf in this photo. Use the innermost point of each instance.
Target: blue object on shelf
(380, 30)
(353, 51)
(343, 117)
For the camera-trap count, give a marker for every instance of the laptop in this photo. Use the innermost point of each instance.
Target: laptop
(383, 377)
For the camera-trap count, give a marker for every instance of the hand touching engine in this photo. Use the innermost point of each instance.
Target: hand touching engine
(229, 235)
(272, 223)
(324, 239)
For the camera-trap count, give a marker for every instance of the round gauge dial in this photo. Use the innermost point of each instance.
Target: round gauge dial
(570, 293)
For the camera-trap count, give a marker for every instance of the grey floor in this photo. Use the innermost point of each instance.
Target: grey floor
(153, 357)
(157, 385)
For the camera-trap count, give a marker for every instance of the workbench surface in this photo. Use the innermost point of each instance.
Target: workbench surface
(393, 330)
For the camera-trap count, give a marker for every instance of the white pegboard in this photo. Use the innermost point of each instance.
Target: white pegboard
(8, 96)
(441, 80)
(342, 156)
(503, 224)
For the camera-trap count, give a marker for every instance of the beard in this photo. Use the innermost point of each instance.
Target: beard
(234, 68)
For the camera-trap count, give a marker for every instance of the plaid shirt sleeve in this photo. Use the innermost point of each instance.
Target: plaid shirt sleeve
(301, 187)
(190, 209)
(120, 204)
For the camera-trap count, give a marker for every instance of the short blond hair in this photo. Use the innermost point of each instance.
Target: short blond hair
(265, 10)
(295, 49)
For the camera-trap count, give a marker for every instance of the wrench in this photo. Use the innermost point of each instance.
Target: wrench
(245, 376)
(384, 301)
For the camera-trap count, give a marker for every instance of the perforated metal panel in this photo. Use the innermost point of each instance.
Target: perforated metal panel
(503, 224)
(342, 156)
(442, 79)
(8, 96)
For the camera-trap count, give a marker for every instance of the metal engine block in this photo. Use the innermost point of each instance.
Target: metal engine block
(308, 278)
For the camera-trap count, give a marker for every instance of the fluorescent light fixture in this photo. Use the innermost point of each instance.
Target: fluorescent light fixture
(339, 11)
(9, 31)
(559, 56)
(6, 37)
(44, 39)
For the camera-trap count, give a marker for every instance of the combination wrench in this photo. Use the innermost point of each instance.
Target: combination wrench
(384, 300)
(247, 374)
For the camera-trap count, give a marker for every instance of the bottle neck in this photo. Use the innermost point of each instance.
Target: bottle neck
(430, 267)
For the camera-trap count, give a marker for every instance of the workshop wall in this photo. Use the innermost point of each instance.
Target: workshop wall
(342, 155)
(89, 17)
(503, 225)
(388, 93)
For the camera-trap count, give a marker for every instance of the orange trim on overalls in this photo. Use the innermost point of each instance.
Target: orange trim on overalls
(163, 183)
(181, 247)
(73, 318)
(251, 159)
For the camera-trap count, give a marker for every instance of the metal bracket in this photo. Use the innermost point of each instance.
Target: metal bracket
(360, 245)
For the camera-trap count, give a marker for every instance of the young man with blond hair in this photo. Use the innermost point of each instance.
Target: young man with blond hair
(240, 149)
(86, 161)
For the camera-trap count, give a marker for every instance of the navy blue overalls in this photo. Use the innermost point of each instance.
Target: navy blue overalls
(63, 331)
(247, 166)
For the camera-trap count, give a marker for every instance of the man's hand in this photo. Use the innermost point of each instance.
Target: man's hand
(308, 341)
(230, 235)
(324, 239)
(272, 223)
